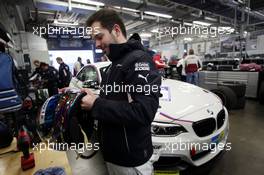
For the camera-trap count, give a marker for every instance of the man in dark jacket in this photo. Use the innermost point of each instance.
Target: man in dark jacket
(50, 78)
(64, 73)
(124, 114)
(37, 68)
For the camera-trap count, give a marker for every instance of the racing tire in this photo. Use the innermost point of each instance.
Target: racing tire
(261, 93)
(237, 87)
(227, 95)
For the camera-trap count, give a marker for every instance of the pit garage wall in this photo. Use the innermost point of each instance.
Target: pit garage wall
(170, 49)
(35, 46)
(24, 42)
(206, 47)
(177, 48)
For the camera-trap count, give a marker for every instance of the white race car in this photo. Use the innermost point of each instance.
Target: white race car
(191, 123)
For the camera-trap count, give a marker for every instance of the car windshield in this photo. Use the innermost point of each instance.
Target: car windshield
(88, 73)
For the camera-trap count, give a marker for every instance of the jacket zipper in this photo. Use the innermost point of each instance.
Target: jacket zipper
(126, 139)
(107, 79)
(108, 72)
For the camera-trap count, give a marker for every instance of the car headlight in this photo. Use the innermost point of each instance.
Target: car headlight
(166, 129)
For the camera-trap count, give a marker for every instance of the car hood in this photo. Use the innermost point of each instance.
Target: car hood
(180, 100)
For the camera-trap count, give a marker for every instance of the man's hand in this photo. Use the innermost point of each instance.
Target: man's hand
(88, 100)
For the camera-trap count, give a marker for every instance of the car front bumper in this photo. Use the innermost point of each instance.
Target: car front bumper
(183, 145)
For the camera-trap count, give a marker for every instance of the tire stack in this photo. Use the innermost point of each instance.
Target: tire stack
(232, 94)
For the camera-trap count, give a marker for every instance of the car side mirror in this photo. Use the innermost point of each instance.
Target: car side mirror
(93, 84)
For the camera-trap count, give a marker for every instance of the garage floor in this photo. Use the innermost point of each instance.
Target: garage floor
(245, 157)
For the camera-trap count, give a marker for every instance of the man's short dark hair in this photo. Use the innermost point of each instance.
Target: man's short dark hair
(108, 18)
(42, 65)
(191, 52)
(59, 59)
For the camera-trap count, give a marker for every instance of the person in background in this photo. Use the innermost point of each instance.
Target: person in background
(64, 73)
(165, 59)
(50, 78)
(137, 37)
(192, 65)
(181, 67)
(160, 64)
(77, 66)
(37, 68)
(88, 61)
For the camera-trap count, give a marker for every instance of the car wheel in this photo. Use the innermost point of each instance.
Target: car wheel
(237, 87)
(261, 93)
(227, 96)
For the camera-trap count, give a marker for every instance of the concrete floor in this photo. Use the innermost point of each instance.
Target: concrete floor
(247, 138)
(246, 156)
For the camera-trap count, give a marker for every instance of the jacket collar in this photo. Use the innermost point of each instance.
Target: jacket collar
(118, 51)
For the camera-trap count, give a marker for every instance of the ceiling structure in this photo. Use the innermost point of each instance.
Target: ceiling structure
(138, 15)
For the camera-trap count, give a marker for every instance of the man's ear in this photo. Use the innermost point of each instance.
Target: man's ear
(116, 30)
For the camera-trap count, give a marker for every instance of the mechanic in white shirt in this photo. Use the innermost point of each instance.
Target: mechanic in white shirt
(181, 67)
(192, 66)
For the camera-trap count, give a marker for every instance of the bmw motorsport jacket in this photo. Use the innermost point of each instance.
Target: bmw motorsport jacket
(125, 116)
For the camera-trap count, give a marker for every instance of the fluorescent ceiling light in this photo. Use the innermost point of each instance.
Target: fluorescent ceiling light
(89, 2)
(136, 1)
(261, 14)
(203, 36)
(65, 4)
(126, 9)
(230, 29)
(187, 24)
(247, 8)
(155, 30)
(210, 19)
(224, 28)
(175, 21)
(135, 24)
(70, 7)
(158, 14)
(65, 23)
(202, 23)
(129, 9)
(145, 35)
(187, 39)
(85, 7)
(98, 51)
